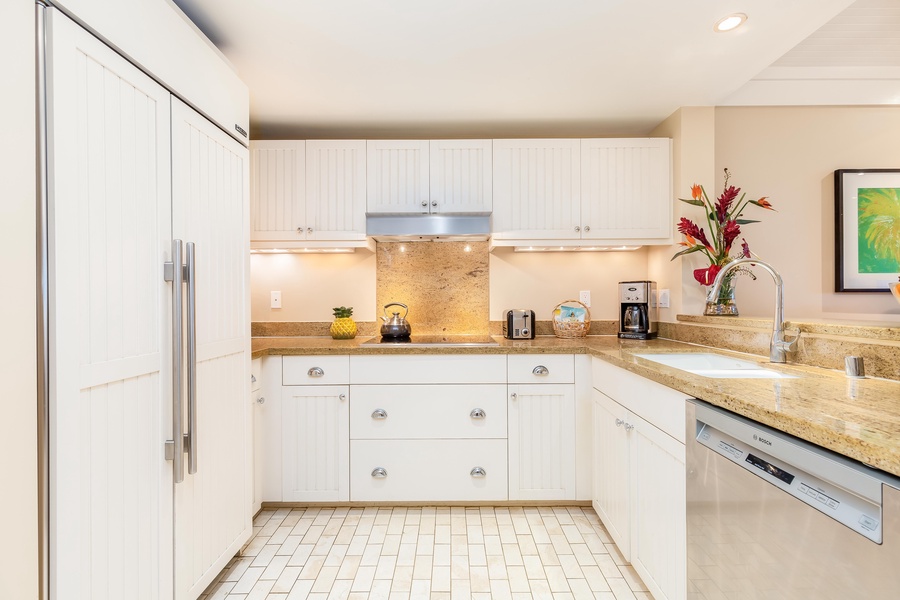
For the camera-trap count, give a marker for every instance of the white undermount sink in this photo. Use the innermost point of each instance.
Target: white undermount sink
(715, 365)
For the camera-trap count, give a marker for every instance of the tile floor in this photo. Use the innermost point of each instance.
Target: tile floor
(432, 553)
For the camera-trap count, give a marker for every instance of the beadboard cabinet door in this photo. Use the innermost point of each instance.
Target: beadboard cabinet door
(335, 190)
(537, 189)
(461, 176)
(397, 176)
(626, 190)
(612, 464)
(541, 442)
(315, 443)
(278, 191)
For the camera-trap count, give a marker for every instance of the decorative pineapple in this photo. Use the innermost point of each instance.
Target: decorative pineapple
(343, 328)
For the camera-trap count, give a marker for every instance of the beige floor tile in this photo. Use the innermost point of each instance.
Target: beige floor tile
(276, 566)
(363, 580)
(385, 568)
(300, 590)
(424, 553)
(325, 579)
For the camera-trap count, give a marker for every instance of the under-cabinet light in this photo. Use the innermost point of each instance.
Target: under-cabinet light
(575, 248)
(302, 250)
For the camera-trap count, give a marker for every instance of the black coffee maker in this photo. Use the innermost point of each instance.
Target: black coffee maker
(638, 313)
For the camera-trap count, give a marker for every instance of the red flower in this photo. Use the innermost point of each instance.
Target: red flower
(724, 202)
(729, 233)
(745, 248)
(708, 275)
(690, 229)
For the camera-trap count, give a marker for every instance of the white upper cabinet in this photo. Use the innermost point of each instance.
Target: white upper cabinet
(278, 190)
(461, 176)
(537, 189)
(336, 189)
(307, 194)
(436, 177)
(397, 176)
(583, 192)
(626, 190)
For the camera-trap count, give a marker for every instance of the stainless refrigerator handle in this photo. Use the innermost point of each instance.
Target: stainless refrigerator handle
(190, 259)
(175, 447)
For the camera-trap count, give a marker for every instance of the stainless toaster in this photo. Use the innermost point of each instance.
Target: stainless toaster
(519, 324)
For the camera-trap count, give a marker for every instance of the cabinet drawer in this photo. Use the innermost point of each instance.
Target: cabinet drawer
(428, 411)
(429, 368)
(315, 370)
(428, 470)
(526, 368)
(255, 374)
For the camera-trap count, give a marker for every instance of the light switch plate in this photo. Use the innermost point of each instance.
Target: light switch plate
(584, 296)
(276, 300)
(664, 298)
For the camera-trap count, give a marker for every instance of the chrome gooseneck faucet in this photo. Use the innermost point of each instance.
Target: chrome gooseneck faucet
(778, 348)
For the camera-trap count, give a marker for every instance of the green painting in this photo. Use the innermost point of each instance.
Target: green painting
(879, 230)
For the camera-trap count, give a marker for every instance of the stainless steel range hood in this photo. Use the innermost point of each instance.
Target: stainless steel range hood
(428, 228)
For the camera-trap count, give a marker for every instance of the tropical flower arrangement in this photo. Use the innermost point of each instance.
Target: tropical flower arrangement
(724, 221)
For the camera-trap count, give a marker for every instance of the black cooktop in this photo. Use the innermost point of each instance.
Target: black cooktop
(436, 340)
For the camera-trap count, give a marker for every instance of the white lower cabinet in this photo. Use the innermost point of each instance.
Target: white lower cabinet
(542, 442)
(315, 431)
(639, 475)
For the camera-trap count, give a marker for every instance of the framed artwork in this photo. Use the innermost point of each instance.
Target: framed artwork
(867, 229)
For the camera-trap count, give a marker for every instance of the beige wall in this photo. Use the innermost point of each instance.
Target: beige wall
(790, 154)
(312, 284)
(18, 406)
(692, 130)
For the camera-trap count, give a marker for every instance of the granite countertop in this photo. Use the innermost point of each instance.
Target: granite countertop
(859, 418)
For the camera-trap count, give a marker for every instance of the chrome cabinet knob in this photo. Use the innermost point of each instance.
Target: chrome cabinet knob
(379, 473)
(478, 472)
(587, 228)
(541, 370)
(424, 203)
(619, 422)
(342, 397)
(309, 230)
(477, 413)
(628, 426)
(252, 378)
(261, 400)
(514, 395)
(300, 229)
(577, 228)
(434, 203)
(379, 413)
(316, 372)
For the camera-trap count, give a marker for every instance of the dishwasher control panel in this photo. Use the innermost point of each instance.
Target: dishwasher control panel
(857, 513)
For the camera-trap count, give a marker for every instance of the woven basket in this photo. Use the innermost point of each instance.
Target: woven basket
(571, 329)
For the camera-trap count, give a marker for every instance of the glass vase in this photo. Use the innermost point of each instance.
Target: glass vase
(724, 306)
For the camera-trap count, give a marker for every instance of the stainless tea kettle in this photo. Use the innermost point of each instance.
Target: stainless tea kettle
(396, 326)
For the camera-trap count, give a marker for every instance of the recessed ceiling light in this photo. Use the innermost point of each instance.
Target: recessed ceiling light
(730, 23)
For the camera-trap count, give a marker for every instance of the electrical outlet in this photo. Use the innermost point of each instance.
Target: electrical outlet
(664, 298)
(276, 300)
(584, 296)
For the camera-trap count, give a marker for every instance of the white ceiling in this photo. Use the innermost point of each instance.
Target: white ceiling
(495, 68)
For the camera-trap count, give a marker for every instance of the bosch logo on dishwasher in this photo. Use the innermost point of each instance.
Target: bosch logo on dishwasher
(762, 439)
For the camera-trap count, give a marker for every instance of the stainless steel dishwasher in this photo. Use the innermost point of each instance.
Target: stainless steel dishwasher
(776, 518)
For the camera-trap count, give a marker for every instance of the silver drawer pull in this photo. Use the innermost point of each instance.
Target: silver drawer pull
(541, 370)
(316, 372)
(261, 400)
(619, 422)
(478, 472)
(379, 413)
(514, 395)
(342, 397)
(477, 413)
(379, 473)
